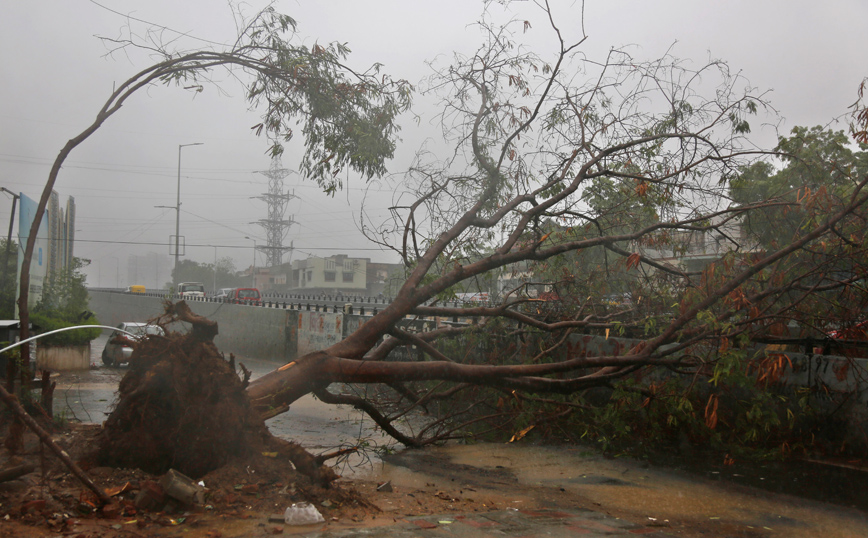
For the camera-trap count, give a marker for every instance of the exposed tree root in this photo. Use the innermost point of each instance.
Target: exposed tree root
(182, 406)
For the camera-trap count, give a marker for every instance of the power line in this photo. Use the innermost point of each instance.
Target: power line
(131, 169)
(155, 25)
(152, 243)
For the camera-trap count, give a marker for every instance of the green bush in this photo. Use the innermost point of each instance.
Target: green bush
(49, 321)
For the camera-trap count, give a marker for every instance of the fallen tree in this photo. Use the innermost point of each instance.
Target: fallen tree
(614, 163)
(614, 166)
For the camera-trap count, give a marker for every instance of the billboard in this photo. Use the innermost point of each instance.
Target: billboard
(39, 263)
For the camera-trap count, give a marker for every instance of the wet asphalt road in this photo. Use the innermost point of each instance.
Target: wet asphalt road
(631, 488)
(89, 395)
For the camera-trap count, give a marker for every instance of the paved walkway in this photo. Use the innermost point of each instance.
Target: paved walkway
(512, 523)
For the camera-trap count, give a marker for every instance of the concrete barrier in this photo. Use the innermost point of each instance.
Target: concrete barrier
(62, 358)
(252, 331)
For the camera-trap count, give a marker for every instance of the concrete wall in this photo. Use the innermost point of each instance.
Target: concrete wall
(264, 333)
(318, 330)
(63, 358)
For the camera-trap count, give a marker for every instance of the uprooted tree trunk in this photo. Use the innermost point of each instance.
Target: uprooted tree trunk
(619, 164)
(181, 406)
(607, 161)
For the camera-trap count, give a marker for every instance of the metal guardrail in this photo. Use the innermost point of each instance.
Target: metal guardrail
(347, 304)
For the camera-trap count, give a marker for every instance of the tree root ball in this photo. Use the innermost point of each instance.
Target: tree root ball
(180, 406)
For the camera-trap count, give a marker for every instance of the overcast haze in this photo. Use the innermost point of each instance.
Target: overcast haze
(57, 76)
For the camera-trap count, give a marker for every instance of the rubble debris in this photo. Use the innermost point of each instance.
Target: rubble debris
(182, 488)
(14, 472)
(151, 496)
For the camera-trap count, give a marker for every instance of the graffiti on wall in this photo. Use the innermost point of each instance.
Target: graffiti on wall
(318, 330)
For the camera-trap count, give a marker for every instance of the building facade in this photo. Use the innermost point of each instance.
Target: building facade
(333, 274)
(61, 233)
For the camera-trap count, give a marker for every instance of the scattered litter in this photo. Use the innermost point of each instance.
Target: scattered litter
(302, 514)
(385, 487)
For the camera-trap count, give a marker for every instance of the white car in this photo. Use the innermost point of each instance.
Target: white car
(187, 290)
(118, 349)
(223, 294)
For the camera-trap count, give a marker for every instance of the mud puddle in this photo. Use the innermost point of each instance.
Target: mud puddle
(558, 478)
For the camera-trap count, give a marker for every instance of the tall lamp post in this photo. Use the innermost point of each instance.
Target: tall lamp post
(254, 260)
(215, 267)
(178, 208)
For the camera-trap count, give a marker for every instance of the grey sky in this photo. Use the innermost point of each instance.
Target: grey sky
(56, 77)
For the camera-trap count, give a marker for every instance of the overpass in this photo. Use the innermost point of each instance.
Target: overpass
(280, 330)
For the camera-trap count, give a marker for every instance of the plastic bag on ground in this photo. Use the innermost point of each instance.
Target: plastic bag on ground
(302, 514)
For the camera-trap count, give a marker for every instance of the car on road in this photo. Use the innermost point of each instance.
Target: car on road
(189, 290)
(223, 294)
(246, 296)
(119, 347)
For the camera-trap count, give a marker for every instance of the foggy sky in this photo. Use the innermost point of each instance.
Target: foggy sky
(57, 75)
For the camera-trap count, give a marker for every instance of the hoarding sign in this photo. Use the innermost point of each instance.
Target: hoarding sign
(39, 262)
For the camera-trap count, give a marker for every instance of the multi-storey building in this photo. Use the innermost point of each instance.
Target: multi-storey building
(334, 274)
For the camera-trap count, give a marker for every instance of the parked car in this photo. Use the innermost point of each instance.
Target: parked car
(246, 296)
(223, 294)
(187, 290)
(119, 347)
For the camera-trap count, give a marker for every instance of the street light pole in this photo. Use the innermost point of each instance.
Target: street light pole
(254, 260)
(215, 268)
(178, 209)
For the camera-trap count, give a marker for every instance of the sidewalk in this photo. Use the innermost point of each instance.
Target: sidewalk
(513, 523)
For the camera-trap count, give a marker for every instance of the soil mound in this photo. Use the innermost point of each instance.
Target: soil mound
(182, 406)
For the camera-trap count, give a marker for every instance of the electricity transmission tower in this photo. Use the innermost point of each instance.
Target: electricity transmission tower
(276, 226)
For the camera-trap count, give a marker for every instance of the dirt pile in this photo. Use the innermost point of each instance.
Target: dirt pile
(182, 406)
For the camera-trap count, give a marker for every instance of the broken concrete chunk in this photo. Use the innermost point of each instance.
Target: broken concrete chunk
(183, 488)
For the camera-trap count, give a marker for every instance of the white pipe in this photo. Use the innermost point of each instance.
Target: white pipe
(16, 344)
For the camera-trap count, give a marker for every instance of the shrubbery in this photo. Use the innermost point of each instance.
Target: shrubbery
(64, 304)
(50, 321)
